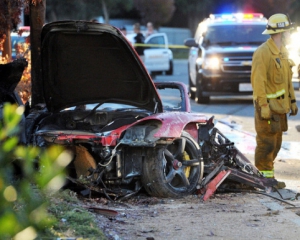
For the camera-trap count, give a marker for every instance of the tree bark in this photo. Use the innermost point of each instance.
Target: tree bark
(37, 19)
(7, 43)
(7, 46)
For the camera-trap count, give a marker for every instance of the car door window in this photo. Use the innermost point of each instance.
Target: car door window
(171, 98)
(159, 40)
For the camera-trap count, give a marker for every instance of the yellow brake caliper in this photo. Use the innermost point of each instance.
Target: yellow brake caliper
(187, 170)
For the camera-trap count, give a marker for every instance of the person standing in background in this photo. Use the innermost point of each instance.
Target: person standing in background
(273, 93)
(150, 29)
(138, 39)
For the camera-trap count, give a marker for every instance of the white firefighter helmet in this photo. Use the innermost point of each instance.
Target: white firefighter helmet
(278, 23)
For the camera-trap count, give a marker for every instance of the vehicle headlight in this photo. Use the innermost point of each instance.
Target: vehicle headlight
(135, 134)
(140, 135)
(211, 63)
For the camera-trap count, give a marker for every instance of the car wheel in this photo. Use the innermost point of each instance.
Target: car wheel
(31, 123)
(199, 95)
(170, 71)
(173, 170)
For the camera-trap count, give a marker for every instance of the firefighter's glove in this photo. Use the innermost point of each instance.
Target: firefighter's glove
(294, 109)
(265, 112)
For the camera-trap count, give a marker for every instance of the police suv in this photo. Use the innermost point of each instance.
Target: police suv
(220, 55)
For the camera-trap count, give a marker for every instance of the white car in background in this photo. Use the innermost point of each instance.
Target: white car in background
(158, 58)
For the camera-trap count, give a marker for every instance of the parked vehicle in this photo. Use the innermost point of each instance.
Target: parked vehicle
(220, 56)
(19, 42)
(158, 58)
(101, 105)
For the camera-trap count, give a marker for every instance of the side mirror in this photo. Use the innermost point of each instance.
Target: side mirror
(190, 42)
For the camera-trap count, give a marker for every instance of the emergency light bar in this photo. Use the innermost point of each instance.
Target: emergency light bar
(236, 16)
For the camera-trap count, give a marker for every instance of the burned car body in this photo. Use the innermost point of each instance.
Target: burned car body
(101, 104)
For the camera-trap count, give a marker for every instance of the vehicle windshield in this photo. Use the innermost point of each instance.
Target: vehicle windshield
(235, 35)
(171, 98)
(18, 44)
(102, 107)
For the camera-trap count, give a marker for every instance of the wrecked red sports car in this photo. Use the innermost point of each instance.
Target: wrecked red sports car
(102, 105)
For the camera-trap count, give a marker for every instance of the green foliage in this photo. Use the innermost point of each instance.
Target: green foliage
(194, 5)
(180, 53)
(116, 6)
(60, 10)
(84, 9)
(195, 11)
(156, 11)
(73, 219)
(295, 9)
(23, 207)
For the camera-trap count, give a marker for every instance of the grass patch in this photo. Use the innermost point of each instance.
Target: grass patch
(180, 53)
(72, 220)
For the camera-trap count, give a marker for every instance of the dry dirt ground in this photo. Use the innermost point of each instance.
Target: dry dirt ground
(222, 216)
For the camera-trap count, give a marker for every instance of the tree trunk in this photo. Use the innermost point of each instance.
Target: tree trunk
(7, 46)
(37, 19)
(7, 43)
(193, 22)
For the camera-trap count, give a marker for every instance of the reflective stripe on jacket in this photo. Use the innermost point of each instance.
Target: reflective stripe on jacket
(271, 77)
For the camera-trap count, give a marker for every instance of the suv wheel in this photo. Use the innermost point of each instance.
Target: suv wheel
(170, 71)
(199, 95)
(191, 85)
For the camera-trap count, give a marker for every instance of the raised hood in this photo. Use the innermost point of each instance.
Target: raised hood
(85, 62)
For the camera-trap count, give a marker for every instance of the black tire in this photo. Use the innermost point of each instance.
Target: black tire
(191, 85)
(191, 93)
(154, 74)
(170, 71)
(161, 179)
(31, 123)
(199, 95)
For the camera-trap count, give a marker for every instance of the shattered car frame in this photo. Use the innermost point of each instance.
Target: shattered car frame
(102, 105)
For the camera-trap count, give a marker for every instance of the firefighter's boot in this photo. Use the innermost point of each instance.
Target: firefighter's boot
(280, 185)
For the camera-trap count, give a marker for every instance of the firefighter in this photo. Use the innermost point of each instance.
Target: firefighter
(273, 93)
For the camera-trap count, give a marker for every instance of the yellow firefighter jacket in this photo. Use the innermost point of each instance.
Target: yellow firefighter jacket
(271, 77)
